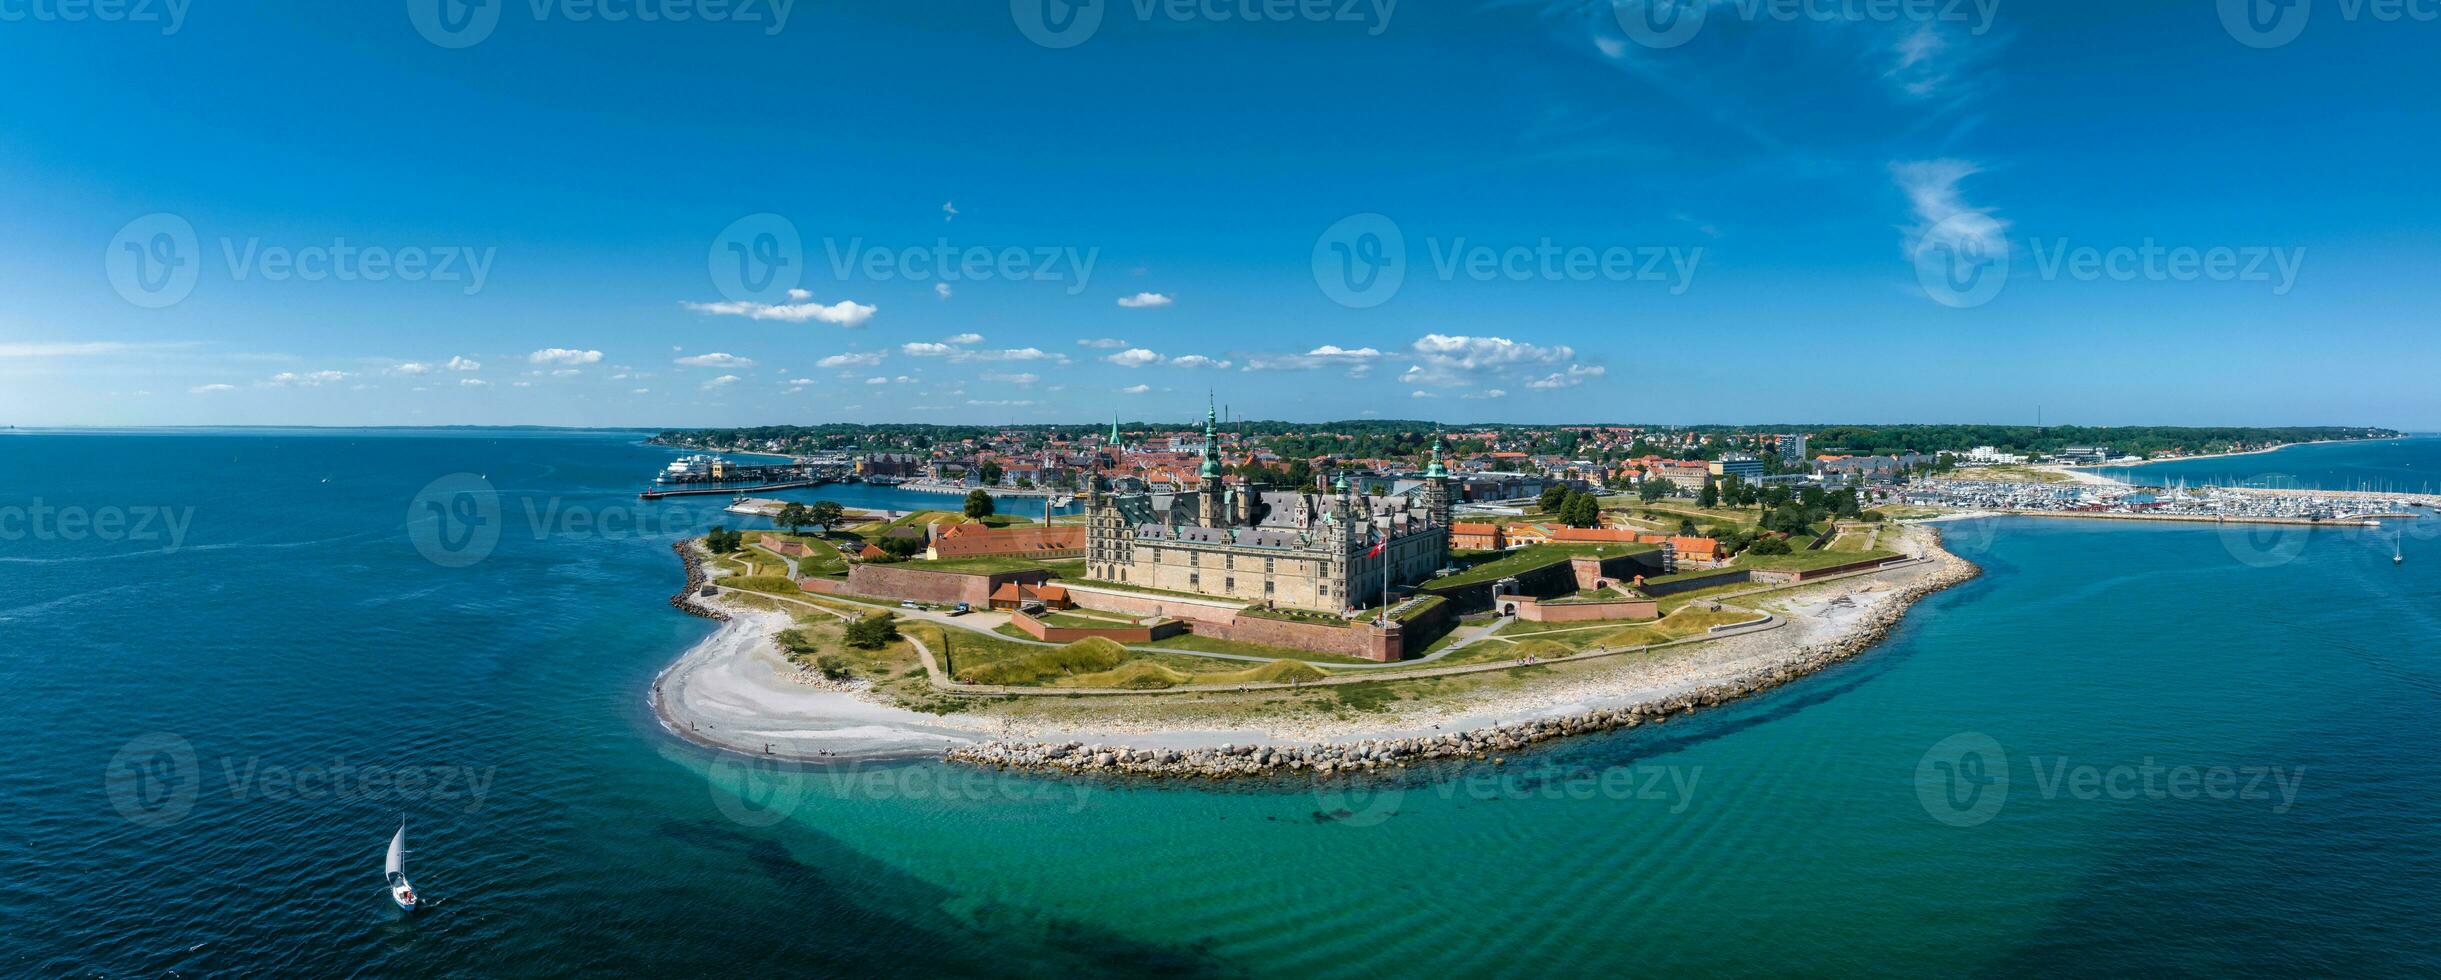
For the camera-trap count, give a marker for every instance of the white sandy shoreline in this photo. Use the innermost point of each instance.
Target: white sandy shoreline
(734, 691)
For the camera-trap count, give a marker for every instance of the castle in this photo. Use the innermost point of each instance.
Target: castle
(1332, 551)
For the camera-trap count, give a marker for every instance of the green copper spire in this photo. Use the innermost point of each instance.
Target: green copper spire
(1211, 442)
(1436, 471)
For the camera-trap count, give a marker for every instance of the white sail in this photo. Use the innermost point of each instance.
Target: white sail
(397, 864)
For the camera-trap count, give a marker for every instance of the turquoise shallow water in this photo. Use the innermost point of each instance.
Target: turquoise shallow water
(2215, 748)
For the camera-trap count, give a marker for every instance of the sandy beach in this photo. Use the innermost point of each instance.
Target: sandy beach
(735, 691)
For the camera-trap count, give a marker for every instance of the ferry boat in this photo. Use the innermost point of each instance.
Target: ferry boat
(690, 467)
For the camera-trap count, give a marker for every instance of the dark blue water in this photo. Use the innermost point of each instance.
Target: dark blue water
(2215, 747)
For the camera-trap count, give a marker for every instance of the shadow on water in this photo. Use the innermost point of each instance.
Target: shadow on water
(888, 923)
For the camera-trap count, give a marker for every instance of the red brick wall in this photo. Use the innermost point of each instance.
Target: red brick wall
(943, 588)
(1533, 611)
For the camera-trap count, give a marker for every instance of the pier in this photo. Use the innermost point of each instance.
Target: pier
(711, 491)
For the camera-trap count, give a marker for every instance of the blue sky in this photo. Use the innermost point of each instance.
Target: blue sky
(1836, 210)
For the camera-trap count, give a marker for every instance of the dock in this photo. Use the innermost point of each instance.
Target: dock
(730, 491)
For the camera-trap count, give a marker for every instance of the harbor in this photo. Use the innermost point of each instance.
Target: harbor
(2176, 502)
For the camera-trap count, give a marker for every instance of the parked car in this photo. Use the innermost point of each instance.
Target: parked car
(961, 609)
(910, 604)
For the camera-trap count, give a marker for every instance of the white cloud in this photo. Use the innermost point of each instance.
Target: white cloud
(308, 379)
(473, 383)
(1488, 393)
(1014, 379)
(940, 289)
(208, 389)
(1197, 361)
(639, 391)
(866, 359)
(1324, 356)
(463, 364)
(1134, 357)
(1146, 301)
(962, 339)
(877, 381)
(800, 381)
(1943, 217)
(845, 313)
(1135, 389)
(800, 295)
(1574, 376)
(1102, 343)
(1003, 404)
(1460, 361)
(716, 360)
(564, 355)
(1421, 393)
(962, 355)
(411, 367)
(722, 381)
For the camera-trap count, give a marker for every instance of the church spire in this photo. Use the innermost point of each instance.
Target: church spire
(1211, 441)
(1436, 471)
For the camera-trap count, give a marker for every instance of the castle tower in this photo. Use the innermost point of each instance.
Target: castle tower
(1437, 502)
(1211, 504)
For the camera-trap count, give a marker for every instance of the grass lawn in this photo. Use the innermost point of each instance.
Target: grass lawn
(980, 565)
(1499, 565)
(1207, 644)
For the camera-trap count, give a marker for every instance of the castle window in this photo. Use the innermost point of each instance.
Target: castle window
(1194, 579)
(1195, 558)
(1229, 584)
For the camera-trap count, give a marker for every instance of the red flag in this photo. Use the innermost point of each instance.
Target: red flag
(1377, 548)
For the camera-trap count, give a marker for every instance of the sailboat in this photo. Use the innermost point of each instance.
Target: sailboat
(395, 870)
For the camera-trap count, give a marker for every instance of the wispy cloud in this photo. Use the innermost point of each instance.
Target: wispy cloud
(1942, 215)
(1134, 357)
(1102, 343)
(716, 360)
(865, 359)
(1146, 301)
(845, 313)
(564, 355)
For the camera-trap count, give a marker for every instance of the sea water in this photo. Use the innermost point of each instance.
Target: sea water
(2124, 749)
